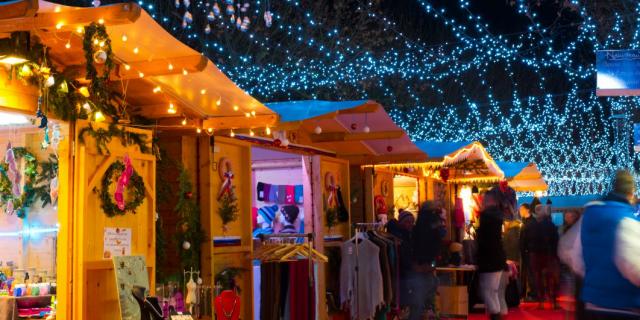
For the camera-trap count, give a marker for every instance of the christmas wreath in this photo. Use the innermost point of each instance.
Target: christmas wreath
(135, 190)
(16, 200)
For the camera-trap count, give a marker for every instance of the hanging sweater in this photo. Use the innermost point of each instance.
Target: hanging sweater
(362, 290)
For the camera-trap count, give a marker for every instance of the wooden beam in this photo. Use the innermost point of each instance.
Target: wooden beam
(115, 14)
(194, 63)
(238, 122)
(356, 136)
(18, 9)
(384, 159)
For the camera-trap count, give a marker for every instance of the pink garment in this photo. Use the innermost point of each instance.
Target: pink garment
(289, 195)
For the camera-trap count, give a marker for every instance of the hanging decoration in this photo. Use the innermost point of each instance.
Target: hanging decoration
(123, 182)
(17, 199)
(135, 191)
(226, 175)
(103, 136)
(189, 234)
(444, 174)
(46, 189)
(228, 210)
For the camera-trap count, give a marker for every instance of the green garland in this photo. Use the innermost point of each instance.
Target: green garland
(104, 136)
(48, 171)
(189, 226)
(135, 191)
(228, 209)
(98, 88)
(28, 195)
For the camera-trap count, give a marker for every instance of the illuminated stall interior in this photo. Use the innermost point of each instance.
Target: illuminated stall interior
(29, 222)
(405, 194)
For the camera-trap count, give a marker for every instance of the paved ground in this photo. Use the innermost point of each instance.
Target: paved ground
(529, 311)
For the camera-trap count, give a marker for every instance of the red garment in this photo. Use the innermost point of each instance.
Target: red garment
(458, 214)
(227, 306)
(299, 291)
(290, 197)
(254, 218)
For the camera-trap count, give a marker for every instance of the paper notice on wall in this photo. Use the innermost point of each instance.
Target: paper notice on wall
(117, 242)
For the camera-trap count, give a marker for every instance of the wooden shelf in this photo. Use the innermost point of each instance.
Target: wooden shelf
(231, 249)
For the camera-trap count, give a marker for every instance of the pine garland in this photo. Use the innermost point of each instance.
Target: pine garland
(189, 230)
(135, 191)
(228, 209)
(48, 171)
(104, 136)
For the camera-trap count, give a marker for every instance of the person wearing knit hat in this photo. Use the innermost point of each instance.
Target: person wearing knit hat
(609, 243)
(406, 220)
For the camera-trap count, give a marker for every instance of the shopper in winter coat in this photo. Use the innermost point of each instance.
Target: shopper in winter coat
(526, 272)
(542, 243)
(427, 238)
(402, 228)
(492, 261)
(610, 238)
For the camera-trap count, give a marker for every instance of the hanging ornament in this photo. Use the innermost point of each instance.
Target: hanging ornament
(12, 172)
(186, 245)
(389, 148)
(25, 71)
(285, 142)
(207, 29)
(233, 18)
(354, 126)
(95, 3)
(56, 137)
(277, 142)
(186, 3)
(444, 174)
(230, 9)
(245, 24)
(238, 22)
(100, 56)
(42, 116)
(188, 17)
(244, 7)
(211, 16)
(45, 142)
(199, 281)
(123, 182)
(188, 195)
(9, 209)
(177, 3)
(50, 81)
(366, 129)
(268, 18)
(216, 9)
(53, 190)
(184, 24)
(317, 130)
(64, 87)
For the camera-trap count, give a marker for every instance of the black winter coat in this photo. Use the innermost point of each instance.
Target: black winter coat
(491, 255)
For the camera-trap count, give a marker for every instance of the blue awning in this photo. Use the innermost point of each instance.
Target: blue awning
(563, 202)
(511, 169)
(307, 109)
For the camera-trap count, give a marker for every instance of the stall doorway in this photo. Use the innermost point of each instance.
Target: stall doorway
(405, 194)
(29, 222)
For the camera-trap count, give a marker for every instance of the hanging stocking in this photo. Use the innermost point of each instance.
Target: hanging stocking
(123, 182)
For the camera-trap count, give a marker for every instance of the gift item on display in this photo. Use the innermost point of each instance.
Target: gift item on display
(280, 194)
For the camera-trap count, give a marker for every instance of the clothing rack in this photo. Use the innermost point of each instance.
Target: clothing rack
(309, 244)
(362, 227)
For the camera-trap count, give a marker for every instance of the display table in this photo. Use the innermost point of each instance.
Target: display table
(10, 305)
(453, 301)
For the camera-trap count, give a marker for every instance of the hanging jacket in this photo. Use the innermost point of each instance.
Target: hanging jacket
(343, 213)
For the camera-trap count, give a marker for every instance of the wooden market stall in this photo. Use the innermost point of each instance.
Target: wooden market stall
(148, 74)
(524, 177)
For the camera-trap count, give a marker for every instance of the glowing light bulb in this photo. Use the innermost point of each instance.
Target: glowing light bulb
(99, 117)
(170, 66)
(59, 25)
(219, 102)
(80, 30)
(124, 38)
(253, 113)
(198, 130)
(101, 44)
(185, 72)
(101, 21)
(136, 50)
(232, 134)
(127, 67)
(236, 108)
(203, 91)
(96, 41)
(184, 122)
(68, 45)
(210, 130)
(141, 75)
(247, 114)
(157, 89)
(317, 130)
(251, 133)
(172, 108)
(86, 106)
(268, 131)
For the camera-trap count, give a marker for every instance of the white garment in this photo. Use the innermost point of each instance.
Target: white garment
(492, 286)
(364, 293)
(627, 256)
(570, 249)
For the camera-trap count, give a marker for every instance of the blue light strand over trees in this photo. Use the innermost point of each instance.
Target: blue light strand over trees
(528, 93)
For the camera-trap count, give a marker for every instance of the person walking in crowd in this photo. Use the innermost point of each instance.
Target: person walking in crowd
(401, 229)
(541, 239)
(492, 262)
(610, 239)
(526, 272)
(427, 238)
(570, 218)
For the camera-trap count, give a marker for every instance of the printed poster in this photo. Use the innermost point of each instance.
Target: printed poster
(117, 242)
